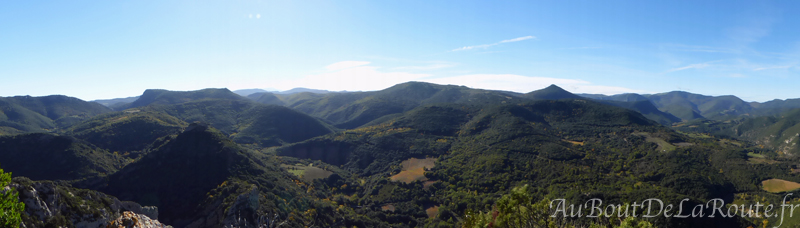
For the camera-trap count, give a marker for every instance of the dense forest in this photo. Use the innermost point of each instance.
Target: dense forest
(412, 155)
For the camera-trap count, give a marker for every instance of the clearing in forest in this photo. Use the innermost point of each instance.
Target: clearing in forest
(778, 185)
(307, 172)
(414, 170)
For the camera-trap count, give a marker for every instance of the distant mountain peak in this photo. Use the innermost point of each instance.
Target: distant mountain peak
(197, 126)
(554, 86)
(552, 92)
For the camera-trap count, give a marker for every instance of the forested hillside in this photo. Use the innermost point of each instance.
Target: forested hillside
(412, 155)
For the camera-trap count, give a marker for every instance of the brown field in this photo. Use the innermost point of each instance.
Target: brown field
(414, 170)
(432, 211)
(778, 185)
(387, 207)
(573, 142)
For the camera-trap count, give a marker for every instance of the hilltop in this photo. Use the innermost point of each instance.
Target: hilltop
(22, 114)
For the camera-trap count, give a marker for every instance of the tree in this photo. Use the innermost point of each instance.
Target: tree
(10, 207)
(516, 209)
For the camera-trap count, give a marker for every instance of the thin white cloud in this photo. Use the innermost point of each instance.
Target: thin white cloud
(345, 64)
(773, 67)
(258, 16)
(489, 45)
(697, 48)
(691, 66)
(518, 39)
(426, 67)
(578, 48)
(474, 47)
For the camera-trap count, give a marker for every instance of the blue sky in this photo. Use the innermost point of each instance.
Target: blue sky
(109, 49)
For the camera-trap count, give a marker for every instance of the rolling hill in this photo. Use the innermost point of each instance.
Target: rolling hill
(41, 114)
(412, 155)
(248, 122)
(43, 156)
(166, 97)
(554, 145)
(183, 178)
(689, 106)
(266, 98)
(126, 131)
(351, 110)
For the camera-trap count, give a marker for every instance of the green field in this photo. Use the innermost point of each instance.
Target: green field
(663, 146)
(307, 172)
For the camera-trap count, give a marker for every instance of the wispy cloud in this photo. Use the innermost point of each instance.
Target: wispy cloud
(518, 39)
(773, 67)
(697, 48)
(426, 67)
(493, 44)
(345, 64)
(690, 66)
(579, 48)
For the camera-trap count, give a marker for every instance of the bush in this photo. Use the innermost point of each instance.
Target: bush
(10, 207)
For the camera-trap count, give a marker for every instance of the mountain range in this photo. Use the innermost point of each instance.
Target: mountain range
(412, 155)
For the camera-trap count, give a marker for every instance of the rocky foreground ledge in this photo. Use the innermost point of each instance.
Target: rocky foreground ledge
(57, 204)
(133, 220)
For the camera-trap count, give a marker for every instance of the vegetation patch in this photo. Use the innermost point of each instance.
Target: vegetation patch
(414, 170)
(754, 158)
(307, 172)
(778, 185)
(663, 146)
(427, 184)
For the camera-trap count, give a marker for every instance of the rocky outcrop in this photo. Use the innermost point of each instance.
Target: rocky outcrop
(57, 204)
(133, 220)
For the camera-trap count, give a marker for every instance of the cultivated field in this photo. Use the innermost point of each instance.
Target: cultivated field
(778, 185)
(414, 170)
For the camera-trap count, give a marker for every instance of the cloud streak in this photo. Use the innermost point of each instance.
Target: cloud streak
(345, 64)
(435, 66)
(518, 39)
(692, 66)
(773, 68)
(484, 46)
